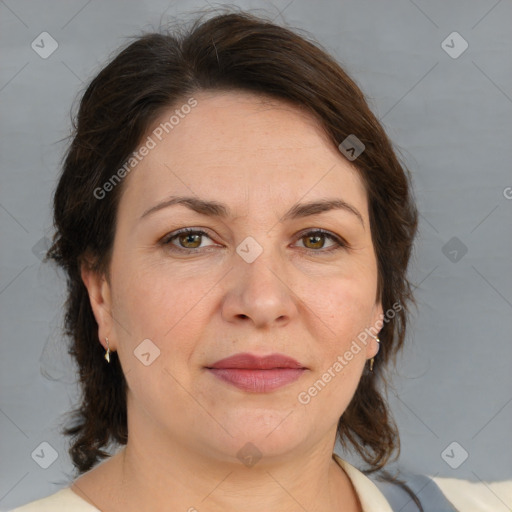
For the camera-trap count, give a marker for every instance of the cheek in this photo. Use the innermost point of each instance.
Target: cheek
(157, 304)
(166, 310)
(344, 305)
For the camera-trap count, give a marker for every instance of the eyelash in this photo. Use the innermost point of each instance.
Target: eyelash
(340, 243)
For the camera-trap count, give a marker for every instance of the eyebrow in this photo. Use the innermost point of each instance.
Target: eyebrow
(216, 209)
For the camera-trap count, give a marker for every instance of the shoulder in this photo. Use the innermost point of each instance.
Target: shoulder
(425, 489)
(381, 495)
(371, 498)
(64, 500)
(484, 496)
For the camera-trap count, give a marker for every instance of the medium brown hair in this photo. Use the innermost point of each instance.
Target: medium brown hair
(230, 51)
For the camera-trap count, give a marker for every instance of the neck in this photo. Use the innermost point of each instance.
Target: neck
(153, 480)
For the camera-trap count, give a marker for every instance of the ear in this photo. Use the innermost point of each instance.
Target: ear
(101, 303)
(372, 348)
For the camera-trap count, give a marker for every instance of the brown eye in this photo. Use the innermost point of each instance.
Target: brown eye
(315, 241)
(186, 239)
(190, 240)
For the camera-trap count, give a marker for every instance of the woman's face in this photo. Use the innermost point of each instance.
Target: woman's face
(253, 277)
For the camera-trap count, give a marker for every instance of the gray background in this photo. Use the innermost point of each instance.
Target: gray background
(451, 120)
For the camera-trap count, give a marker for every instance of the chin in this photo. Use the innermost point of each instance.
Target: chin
(260, 434)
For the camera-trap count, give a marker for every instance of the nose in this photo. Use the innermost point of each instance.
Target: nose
(260, 292)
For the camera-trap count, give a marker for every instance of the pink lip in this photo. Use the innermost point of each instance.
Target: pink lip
(258, 374)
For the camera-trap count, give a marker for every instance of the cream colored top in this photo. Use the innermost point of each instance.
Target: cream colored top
(65, 500)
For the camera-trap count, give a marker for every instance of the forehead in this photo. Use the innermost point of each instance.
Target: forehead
(242, 149)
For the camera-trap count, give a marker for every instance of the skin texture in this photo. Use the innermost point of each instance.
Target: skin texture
(259, 157)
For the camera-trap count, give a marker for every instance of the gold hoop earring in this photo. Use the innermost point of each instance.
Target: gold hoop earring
(107, 353)
(372, 360)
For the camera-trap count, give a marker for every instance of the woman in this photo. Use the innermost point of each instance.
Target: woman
(236, 230)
